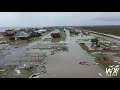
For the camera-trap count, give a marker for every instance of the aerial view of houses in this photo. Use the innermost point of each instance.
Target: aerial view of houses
(64, 51)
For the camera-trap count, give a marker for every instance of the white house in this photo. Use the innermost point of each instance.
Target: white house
(41, 30)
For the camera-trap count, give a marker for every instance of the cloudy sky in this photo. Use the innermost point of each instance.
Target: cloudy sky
(39, 19)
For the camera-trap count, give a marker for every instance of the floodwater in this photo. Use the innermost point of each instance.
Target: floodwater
(64, 64)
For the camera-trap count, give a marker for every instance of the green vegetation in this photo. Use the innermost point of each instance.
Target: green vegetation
(85, 39)
(64, 48)
(34, 39)
(2, 39)
(10, 73)
(97, 54)
(103, 44)
(114, 30)
(8, 67)
(56, 40)
(84, 47)
(12, 38)
(95, 41)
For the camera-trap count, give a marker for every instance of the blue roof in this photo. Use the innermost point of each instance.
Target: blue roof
(22, 34)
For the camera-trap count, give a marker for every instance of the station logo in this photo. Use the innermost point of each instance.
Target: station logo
(112, 70)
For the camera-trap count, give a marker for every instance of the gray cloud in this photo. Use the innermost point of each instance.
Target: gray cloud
(18, 19)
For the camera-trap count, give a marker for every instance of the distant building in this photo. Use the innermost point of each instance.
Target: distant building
(22, 35)
(9, 32)
(41, 30)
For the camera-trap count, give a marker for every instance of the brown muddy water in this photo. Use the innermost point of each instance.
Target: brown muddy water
(63, 64)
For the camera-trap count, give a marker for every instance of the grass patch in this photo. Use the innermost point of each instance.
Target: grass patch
(84, 39)
(34, 39)
(8, 67)
(97, 55)
(56, 40)
(83, 46)
(2, 39)
(64, 48)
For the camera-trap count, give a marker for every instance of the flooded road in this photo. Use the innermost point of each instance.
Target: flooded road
(66, 65)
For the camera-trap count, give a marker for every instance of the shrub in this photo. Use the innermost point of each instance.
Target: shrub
(94, 40)
(12, 38)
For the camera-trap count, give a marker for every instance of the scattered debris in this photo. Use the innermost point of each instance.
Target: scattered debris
(15, 47)
(96, 59)
(96, 63)
(102, 58)
(106, 49)
(106, 59)
(52, 53)
(115, 61)
(2, 70)
(36, 61)
(117, 66)
(18, 71)
(84, 63)
(24, 65)
(100, 74)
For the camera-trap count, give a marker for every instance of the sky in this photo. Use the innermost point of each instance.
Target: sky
(40, 19)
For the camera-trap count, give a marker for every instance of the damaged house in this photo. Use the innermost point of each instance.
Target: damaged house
(22, 35)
